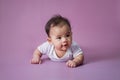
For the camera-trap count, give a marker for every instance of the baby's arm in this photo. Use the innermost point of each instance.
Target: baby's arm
(36, 57)
(78, 60)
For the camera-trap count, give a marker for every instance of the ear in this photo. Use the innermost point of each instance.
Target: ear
(49, 40)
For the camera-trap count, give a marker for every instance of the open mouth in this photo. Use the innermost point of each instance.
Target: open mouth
(65, 45)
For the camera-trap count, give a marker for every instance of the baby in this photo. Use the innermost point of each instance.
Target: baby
(59, 45)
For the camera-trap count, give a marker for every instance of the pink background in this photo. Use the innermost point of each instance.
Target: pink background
(95, 26)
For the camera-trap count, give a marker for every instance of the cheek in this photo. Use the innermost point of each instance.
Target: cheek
(70, 39)
(57, 44)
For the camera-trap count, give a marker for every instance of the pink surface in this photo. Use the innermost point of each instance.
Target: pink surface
(95, 25)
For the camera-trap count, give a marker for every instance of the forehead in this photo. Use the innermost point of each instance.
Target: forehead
(60, 30)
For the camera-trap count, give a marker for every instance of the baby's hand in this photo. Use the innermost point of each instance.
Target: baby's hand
(71, 64)
(36, 60)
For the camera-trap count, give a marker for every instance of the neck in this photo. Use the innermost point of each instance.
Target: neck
(60, 53)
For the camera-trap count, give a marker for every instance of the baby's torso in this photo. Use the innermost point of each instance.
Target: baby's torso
(48, 49)
(60, 56)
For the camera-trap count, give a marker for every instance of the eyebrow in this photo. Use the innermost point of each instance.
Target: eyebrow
(65, 34)
(68, 32)
(58, 35)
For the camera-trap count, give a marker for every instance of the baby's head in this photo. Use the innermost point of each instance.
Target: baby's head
(59, 32)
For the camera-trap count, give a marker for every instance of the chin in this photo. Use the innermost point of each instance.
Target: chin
(64, 49)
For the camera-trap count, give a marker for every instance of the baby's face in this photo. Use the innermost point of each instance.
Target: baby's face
(60, 37)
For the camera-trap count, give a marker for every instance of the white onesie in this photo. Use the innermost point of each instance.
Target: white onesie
(48, 50)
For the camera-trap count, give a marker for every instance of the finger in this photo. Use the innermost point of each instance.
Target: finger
(70, 64)
(34, 61)
(31, 61)
(67, 63)
(40, 61)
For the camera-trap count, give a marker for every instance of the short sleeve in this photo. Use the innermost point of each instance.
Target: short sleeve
(44, 48)
(76, 50)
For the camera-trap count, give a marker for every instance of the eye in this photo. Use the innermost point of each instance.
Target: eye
(68, 35)
(58, 37)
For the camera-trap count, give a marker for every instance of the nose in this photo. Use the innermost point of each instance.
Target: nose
(64, 39)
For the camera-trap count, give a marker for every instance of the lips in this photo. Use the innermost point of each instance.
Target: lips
(65, 45)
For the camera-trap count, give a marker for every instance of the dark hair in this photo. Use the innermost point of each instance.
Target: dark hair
(56, 20)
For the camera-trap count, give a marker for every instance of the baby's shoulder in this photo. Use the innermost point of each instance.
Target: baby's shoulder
(46, 44)
(44, 47)
(74, 44)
